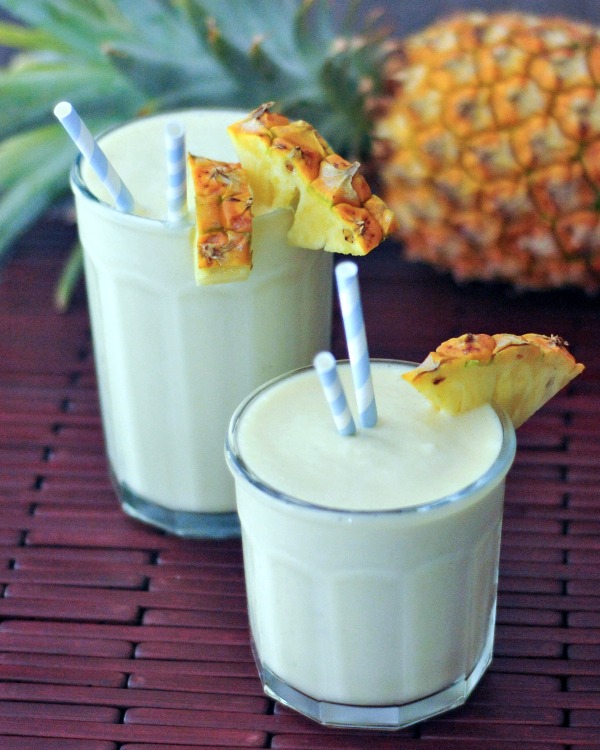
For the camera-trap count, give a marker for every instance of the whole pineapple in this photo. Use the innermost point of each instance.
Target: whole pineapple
(492, 162)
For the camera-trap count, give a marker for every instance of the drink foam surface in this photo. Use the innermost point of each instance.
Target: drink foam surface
(415, 454)
(138, 153)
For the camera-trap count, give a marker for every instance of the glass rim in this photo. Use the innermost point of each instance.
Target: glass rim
(497, 469)
(76, 178)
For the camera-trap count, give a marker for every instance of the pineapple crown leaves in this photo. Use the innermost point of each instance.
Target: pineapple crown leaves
(116, 59)
(246, 54)
(56, 57)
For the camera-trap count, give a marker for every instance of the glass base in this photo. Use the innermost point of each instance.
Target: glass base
(375, 717)
(178, 522)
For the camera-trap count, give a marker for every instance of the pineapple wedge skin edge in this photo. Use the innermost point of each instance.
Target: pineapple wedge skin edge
(519, 374)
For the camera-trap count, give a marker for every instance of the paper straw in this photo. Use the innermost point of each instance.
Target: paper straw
(356, 339)
(326, 368)
(88, 146)
(176, 172)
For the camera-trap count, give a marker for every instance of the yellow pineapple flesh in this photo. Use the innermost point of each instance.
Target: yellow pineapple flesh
(223, 220)
(290, 165)
(517, 373)
(491, 148)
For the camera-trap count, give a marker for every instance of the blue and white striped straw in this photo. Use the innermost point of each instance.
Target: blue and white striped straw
(88, 146)
(326, 368)
(176, 172)
(356, 338)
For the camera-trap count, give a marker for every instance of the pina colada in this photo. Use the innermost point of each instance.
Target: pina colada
(371, 560)
(174, 358)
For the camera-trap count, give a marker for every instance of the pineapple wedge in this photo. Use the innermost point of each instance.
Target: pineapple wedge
(223, 221)
(290, 165)
(518, 373)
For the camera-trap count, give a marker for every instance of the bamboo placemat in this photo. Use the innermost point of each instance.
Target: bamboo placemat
(116, 636)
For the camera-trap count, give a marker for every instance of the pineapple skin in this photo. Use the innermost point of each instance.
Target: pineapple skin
(489, 150)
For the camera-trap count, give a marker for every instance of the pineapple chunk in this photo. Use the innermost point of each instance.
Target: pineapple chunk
(518, 373)
(223, 221)
(289, 164)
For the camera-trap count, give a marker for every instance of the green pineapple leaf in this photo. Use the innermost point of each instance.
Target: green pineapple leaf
(245, 21)
(171, 66)
(32, 169)
(165, 59)
(165, 82)
(238, 62)
(30, 91)
(81, 27)
(69, 278)
(19, 37)
(313, 34)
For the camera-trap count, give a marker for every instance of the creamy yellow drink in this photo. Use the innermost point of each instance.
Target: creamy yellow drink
(371, 560)
(174, 359)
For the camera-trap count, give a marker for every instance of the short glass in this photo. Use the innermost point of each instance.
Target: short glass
(370, 619)
(174, 359)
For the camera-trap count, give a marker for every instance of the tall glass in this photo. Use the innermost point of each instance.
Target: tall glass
(361, 618)
(174, 359)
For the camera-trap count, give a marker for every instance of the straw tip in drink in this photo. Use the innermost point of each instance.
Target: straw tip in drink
(326, 368)
(368, 418)
(346, 269)
(174, 129)
(324, 361)
(63, 109)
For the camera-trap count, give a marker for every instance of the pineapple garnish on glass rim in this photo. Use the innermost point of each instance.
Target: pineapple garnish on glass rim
(290, 165)
(222, 248)
(517, 373)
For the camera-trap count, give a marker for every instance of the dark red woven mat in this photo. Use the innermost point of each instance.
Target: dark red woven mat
(114, 635)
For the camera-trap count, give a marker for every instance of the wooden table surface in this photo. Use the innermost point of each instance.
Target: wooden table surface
(115, 636)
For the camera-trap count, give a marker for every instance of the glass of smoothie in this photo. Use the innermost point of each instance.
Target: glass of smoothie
(371, 560)
(173, 359)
